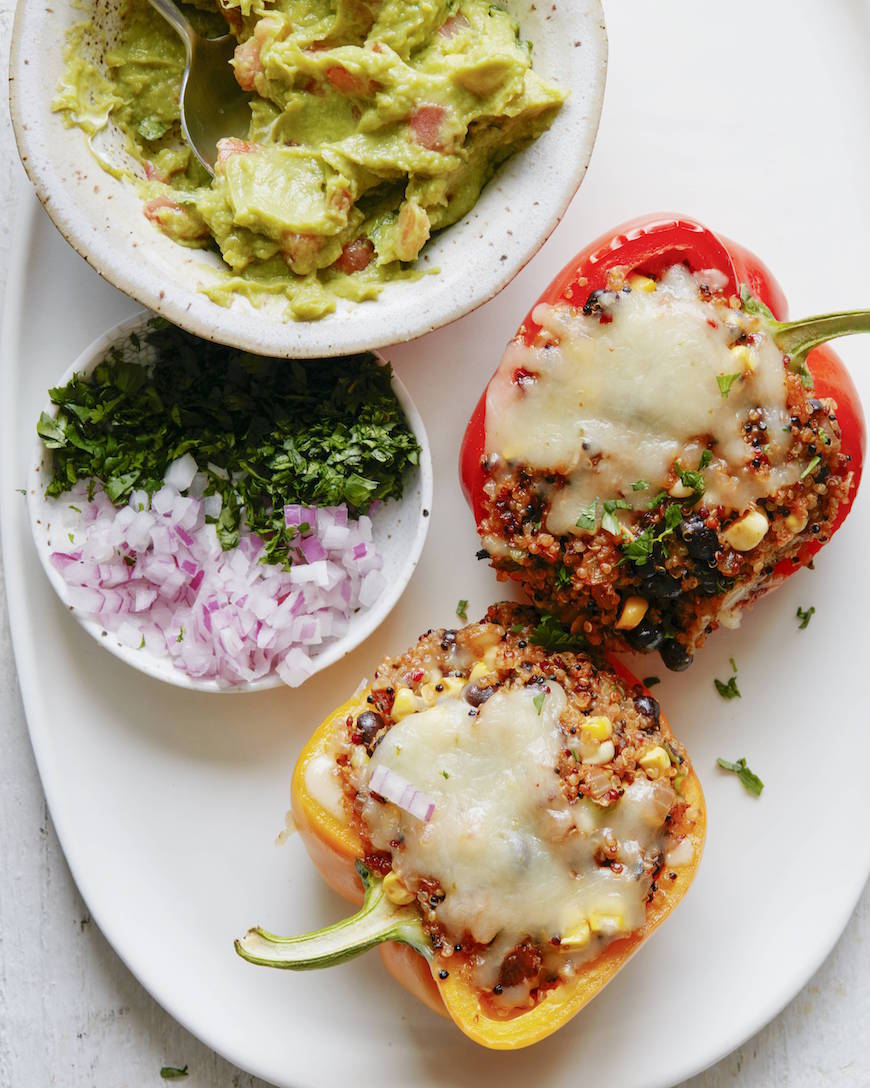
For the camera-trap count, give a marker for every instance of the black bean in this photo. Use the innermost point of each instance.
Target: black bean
(646, 636)
(476, 695)
(593, 303)
(708, 581)
(369, 724)
(701, 541)
(663, 586)
(648, 707)
(675, 656)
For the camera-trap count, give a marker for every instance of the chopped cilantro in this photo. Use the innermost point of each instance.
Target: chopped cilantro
(640, 485)
(751, 782)
(171, 1072)
(539, 701)
(180, 634)
(651, 681)
(445, 774)
(142, 643)
(640, 549)
(21, 490)
(77, 509)
(805, 615)
(550, 634)
(263, 432)
(71, 538)
(609, 521)
(810, 467)
(516, 628)
(725, 381)
(729, 690)
(462, 609)
(657, 500)
(587, 516)
(563, 578)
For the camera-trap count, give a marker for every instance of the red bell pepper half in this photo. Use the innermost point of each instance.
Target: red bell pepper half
(650, 245)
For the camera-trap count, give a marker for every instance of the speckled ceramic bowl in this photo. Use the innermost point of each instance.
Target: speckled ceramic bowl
(399, 529)
(101, 217)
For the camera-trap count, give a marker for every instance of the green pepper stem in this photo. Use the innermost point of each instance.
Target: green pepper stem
(377, 921)
(797, 338)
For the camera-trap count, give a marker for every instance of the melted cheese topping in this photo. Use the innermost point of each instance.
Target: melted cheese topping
(512, 856)
(610, 404)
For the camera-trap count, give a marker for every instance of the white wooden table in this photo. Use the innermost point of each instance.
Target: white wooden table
(71, 1014)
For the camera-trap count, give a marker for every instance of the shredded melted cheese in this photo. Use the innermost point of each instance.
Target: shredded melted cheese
(606, 405)
(513, 858)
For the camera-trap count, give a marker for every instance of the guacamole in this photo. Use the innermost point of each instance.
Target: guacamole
(374, 123)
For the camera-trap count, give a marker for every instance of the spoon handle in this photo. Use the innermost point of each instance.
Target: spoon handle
(173, 15)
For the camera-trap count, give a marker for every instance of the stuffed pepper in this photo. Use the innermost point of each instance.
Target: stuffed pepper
(515, 815)
(659, 447)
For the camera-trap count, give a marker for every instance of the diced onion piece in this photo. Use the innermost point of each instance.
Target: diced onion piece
(392, 787)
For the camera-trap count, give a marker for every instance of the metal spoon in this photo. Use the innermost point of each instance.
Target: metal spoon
(213, 105)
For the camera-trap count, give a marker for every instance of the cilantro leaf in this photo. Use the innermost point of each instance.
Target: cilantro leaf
(640, 485)
(805, 615)
(811, 465)
(587, 516)
(539, 702)
(729, 690)
(725, 381)
(462, 609)
(265, 433)
(563, 577)
(751, 782)
(609, 522)
(550, 634)
(172, 1072)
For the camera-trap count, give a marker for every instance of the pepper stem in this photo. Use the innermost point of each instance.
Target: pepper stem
(377, 921)
(797, 338)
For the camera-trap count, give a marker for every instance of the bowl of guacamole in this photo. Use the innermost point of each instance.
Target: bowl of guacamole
(402, 161)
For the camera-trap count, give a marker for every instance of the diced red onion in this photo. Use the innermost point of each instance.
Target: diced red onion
(158, 571)
(392, 787)
(181, 472)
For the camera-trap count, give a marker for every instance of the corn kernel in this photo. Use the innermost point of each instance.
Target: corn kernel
(452, 685)
(576, 937)
(680, 490)
(656, 759)
(748, 532)
(478, 672)
(637, 282)
(429, 693)
(396, 891)
(602, 754)
(743, 357)
(606, 922)
(598, 727)
(404, 704)
(796, 523)
(633, 611)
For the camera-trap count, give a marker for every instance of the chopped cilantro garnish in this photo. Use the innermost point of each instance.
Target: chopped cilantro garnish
(563, 578)
(805, 615)
(810, 466)
(751, 782)
(77, 509)
(539, 701)
(725, 381)
(694, 478)
(640, 485)
(516, 628)
(142, 643)
(171, 1072)
(462, 610)
(180, 634)
(640, 549)
(609, 521)
(729, 689)
(651, 681)
(21, 490)
(550, 634)
(445, 774)
(587, 516)
(263, 432)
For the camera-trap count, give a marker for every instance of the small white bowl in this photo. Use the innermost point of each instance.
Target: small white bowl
(101, 216)
(399, 529)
